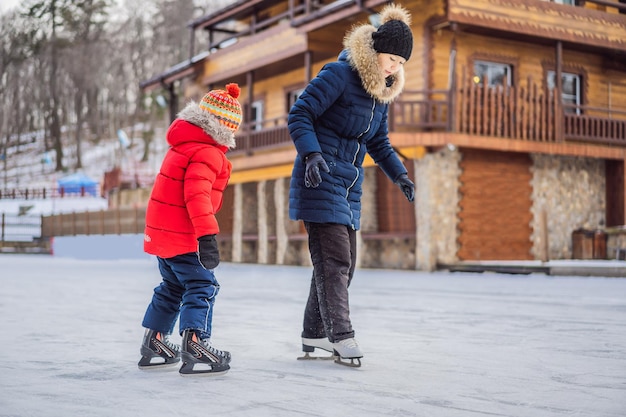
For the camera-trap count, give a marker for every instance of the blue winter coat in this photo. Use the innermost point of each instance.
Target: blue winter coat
(342, 117)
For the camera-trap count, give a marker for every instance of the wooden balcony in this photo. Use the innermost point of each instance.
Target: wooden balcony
(523, 113)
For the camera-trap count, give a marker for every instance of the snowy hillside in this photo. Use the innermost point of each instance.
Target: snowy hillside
(27, 164)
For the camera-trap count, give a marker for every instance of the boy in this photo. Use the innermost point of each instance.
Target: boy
(181, 229)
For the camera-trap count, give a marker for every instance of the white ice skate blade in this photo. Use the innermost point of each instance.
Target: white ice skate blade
(344, 361)
(308, 357)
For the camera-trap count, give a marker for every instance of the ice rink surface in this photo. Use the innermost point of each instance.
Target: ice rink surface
(435, 344)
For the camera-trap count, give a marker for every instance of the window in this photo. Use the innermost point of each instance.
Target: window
(256, 115)
(571, 89)
(292, 96)
(497, 74)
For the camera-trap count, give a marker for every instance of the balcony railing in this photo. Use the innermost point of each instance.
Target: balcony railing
(524, 113)
(262, 135)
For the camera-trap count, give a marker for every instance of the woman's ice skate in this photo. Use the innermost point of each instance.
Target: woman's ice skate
(309, 345)
(348, 349)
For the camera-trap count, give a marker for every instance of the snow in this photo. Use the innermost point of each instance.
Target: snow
(435, 344)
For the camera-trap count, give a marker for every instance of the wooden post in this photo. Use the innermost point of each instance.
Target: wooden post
(282, 239)
(262, 242)
(237, 248)
(558, 98)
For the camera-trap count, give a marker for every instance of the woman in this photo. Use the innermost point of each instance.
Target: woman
(341, 115)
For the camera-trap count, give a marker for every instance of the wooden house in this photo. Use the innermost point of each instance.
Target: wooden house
(512, 124)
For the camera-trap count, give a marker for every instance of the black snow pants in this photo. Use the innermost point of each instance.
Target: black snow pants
(333, 253)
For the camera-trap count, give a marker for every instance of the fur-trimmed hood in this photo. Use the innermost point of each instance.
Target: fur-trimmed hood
(359, 52)
(209, 124)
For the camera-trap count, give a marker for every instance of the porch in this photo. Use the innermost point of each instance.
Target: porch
(527, 113)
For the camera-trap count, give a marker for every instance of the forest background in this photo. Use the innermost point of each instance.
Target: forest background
(70, 71)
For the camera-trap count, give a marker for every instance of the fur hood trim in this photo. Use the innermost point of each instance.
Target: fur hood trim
(364, 59)
(221, 134)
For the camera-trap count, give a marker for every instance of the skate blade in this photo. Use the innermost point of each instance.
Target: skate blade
(146, 364)
(354, 362)
(202, 369)
(308, 357)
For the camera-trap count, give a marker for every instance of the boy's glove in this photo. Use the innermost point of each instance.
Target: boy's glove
(407, 186)
(208, 253)
(314, 162)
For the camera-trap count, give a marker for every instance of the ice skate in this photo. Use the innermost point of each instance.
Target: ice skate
(157, 351)
(348, 349)
(200, 358)
(309, 345)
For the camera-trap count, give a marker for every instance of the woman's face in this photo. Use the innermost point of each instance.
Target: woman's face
(390, 64)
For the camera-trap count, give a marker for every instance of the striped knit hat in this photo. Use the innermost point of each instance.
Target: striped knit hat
(224, 105)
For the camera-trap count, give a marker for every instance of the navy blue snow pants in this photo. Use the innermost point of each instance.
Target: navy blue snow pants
(187, 289)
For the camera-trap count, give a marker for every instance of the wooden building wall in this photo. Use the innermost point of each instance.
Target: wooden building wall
(495, 208)
(600, 86)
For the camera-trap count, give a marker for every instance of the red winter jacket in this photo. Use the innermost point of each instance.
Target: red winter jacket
(188, 190)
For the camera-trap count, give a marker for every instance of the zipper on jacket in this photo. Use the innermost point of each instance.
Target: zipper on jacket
(369, 124)
(358, 148)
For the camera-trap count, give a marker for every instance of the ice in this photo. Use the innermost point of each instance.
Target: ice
(435, 344)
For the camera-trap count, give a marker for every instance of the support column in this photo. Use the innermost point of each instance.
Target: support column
(425, 259)
(262, 244)
(237, 223)
(282, 239)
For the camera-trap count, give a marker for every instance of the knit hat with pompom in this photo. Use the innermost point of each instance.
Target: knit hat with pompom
(224, 106)
(394, 34)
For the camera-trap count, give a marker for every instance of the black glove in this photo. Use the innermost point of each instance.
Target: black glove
(407, 186)
(314, 162)
(208, 253)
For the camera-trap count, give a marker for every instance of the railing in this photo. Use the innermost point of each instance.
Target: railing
(593, 124)
(263, 135)
(45, 193)
(421, 109)
(17, 228)
(526, 113)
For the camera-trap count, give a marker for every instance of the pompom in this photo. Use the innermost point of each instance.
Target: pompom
(233, 90)
(395, 12)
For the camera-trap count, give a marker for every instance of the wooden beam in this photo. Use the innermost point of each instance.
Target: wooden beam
(437, 139)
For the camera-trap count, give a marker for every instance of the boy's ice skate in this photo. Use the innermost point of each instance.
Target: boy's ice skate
(309, 346)
(157, 351)
(348, 349)
(200, 358)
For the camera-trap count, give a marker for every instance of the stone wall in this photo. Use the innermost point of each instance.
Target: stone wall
(571, 192)
(437, 204)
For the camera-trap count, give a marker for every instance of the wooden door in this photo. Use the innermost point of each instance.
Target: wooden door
(495, 216)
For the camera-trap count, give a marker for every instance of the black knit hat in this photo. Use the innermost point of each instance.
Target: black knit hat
(394, 37)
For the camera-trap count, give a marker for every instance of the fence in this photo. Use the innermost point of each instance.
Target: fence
(44, 193)
(103, 222)
(17, 228)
